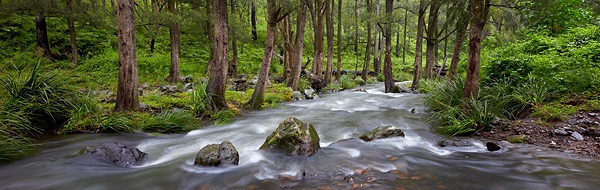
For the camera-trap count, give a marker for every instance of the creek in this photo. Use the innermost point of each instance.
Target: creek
(413, 162)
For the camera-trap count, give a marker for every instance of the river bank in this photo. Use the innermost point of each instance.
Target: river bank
(578, 134)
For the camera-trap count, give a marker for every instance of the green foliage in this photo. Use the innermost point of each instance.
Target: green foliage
(201, 103)
(346, 82)
(223, 117)
(174, 121)
(554, 112)
(303, 83)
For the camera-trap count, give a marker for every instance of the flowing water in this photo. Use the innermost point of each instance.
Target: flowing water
(413, 162)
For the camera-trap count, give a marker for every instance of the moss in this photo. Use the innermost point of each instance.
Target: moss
(517, 138)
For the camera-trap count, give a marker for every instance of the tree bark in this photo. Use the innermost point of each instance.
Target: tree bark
(234, 60)
(42, 34)
(404, 45)
(356, 37)
(479, 11)
(218, 66)
(114, 8)
(365, 71)
(461, 30)
(339, 41)
(329, 23)
(259, 90)
(296, 64)
(253, 20)
(431, 39)
(317, 66)
(387, 68)
(210, 34)
(127, 89)
(72, 33)
(376, 61)
(175, 35)
(156, 26)
(286, 46)
(419, 44)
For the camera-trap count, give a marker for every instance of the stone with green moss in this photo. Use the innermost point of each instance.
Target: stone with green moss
(382, 132)
(293, 137)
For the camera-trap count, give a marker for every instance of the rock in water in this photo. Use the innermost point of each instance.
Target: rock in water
(454, 143)
(217, 154)
(117, 153)
(492, 146)
(382, 132)
(293, 137)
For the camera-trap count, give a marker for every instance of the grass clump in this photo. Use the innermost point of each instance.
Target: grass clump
(173, 121)
(346, 82)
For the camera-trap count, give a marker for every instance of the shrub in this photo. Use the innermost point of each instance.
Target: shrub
(346, 82)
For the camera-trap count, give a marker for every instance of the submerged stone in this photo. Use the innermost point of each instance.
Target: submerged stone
(293, 137)
(217, 154)
(117, 153)
(491, 146)
(382, 132)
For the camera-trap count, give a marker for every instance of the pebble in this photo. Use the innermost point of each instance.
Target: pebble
(562, 132)
(577, 136)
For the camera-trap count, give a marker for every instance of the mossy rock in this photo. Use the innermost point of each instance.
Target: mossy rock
(217, 154)
(293, 137)
(382, 132)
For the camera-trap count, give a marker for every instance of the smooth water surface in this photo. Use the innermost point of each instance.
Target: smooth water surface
(413, 162)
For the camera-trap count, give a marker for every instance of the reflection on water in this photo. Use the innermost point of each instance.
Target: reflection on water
(413, 162)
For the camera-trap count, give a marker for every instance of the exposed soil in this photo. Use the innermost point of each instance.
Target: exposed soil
(579, 133)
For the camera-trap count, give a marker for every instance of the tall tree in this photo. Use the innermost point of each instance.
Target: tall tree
(253, 20)
(365, 71)
(419, 44)
(41, 31)
(317, 66)
(339, 41)
(234, 60)
(479, 11)
(431, 40)
(329, 23)
(404, 45)
(376, 58)
(175, 35)
(210, 34)
(387, 68)
(72, 33)
(218, 66)
(127, 88)
(461, 33)
(296, 64)
(274, 12)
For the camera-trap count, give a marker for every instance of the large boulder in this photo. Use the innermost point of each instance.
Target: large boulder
(293, 137)
(382, 132)
(217, 154)
(117, 153)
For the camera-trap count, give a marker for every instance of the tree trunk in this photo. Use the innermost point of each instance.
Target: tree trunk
(42, 34)
(478, 11)
(461, 30)
(296, 64)
(365, 71)
(376, 62)
(431, 39)
(218, 66)
(404, 45)
(72, 33)
(339, 41)
(286, 46)
(175, 34)
(387, 68)
(103, 8)
(210, 34)
(234, 62)
(253, 20)
(329, 23)
(419, 44)
(114, 8)
(317, 66)
(259, 90)
(356, 37)
(127, 89)
(155, 27)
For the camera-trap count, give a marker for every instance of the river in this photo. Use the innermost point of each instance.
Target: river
(413, 162)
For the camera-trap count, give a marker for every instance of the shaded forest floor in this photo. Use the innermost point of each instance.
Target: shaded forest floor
(557, 135)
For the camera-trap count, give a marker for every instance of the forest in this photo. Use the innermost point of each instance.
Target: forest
(486, 67)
